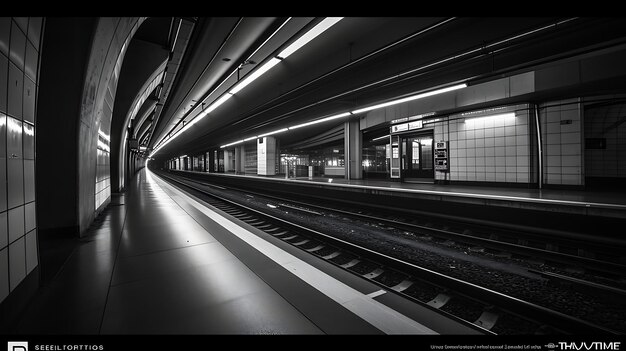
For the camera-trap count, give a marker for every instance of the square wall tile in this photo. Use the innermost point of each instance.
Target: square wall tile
(571, 149)
(18, 46)
(29, 180)
(17, 263)
(5, 35)
(511, 177)
(32, 61)
(30, 216)
(31, 251)
(34, 30)
(553, 150)
(553, 115)
(522, 140)
(522, 161)
(15, 182)
(553, 138)
(522, 150)
(509, 150)
(509, 140)
(522, 130)
(4, 273)
(16, 223)
(15, 91)
(498, 131)
(553, 128)
(3, 180)
(4, 78)
(490, 177)
(4, 229)
(509, 131)
(28, 100)
(571, 179)
(523, 178)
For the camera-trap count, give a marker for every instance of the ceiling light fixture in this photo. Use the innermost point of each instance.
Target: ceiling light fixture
(382, 137)
(254, 75)
(320, 120)
(274, 132)
(492, 117)
(411, 98)
(308, 36)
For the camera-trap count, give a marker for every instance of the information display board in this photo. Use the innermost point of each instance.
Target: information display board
(441, 156)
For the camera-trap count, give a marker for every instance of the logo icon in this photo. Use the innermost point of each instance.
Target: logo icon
(17, 346)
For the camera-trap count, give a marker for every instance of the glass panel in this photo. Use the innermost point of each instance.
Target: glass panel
(427, 154)
(415, 154)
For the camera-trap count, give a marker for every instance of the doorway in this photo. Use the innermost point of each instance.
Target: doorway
(417, 158)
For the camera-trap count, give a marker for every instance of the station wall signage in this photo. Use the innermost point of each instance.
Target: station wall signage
(406, 126)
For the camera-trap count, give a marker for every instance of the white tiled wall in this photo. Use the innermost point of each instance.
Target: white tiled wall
(490, 150)
(604, 122)
(19, 61)
(562, 143)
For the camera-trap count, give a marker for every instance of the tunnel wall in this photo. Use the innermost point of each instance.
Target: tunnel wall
(110, 41)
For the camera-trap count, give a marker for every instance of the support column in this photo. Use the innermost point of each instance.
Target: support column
(238, 158)
(353, 149)
(266, 156)
(228, 154)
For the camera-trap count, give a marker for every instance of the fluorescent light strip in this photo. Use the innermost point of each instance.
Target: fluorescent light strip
(382, 137)
(310, 35)
(274, 132)
(483, 118)
(411, 98)
(256, 74)
(320, 120)
(250, 138)
(201, 115)
(231, 144)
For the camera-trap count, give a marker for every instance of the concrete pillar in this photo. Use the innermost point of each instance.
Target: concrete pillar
(239, 155)
(228, 156)
(266, 156)
(212, 167)
(353, 149)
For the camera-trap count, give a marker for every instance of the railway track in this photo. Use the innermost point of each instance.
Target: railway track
(571, 252)
(488, 310)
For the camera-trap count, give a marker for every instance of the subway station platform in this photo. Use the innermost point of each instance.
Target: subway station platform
(162, 262)
(608, 204)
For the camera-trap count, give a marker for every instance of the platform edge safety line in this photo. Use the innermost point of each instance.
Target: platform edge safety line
(377, 314)
(584, 204)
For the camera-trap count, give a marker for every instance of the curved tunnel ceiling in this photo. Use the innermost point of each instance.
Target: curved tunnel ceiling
(349, 56)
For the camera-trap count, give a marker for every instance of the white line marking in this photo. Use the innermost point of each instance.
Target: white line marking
(380, 316)
(376, 293)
